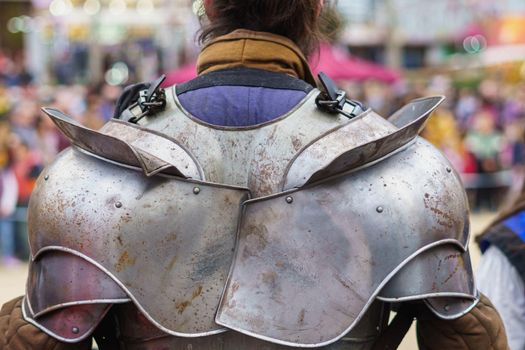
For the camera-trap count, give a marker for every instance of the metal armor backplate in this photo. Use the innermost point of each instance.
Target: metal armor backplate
(343, 212)
(257, 157)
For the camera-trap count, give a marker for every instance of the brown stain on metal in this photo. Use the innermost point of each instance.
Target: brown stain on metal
(124, 262)
(197, 293)
(301, 317)
(182, 306)
(459, 263)
(297, 144)
(230, 294)
(343, 283)
(443, 218)
(172, 263)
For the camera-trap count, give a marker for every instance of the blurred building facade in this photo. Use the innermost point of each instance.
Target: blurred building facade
(415, 33)
(87, 41)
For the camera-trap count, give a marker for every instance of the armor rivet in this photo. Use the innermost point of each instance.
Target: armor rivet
(46, 177)
(75, 330)
(380, 210)
(289, 200)
(449, 170)
(118, 205)
(196, 190)
(447, 308)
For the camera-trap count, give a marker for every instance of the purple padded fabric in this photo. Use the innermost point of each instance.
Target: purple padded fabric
(239, 105)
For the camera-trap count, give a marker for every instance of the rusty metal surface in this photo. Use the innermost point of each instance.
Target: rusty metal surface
(360, 142)
(309, 263)
(115, 149)
(70, 325)
(156, 144)
(165, 241)
(255, 157)
(58, 280)
(444, 271)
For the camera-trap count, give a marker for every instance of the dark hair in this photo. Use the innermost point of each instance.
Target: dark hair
(297, 20)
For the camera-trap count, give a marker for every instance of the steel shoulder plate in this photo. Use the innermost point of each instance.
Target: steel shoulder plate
(166, 242)
(309, 262)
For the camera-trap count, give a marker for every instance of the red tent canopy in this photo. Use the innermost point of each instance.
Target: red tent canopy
(339, 65)
(181, 75)
(336, 63)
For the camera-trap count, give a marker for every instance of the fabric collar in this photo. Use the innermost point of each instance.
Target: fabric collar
(259, 50)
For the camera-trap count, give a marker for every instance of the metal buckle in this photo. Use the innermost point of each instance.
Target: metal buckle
(333, 100)
(151, 101)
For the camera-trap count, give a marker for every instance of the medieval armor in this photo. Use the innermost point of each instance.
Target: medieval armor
(295, 231)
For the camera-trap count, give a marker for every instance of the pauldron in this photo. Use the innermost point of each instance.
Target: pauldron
(286, 231)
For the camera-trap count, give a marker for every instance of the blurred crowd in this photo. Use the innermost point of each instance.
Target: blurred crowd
(480, 128)
(29, 141)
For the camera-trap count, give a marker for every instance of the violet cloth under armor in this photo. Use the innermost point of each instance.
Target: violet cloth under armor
(241, 96)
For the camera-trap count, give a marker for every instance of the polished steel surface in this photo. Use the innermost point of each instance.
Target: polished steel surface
(255, 157)
(58, 280)
(168, 247)
(121, 151)
(305, 273)
(360, 142)
(156, 144)
(69, 325)
(451, 308)
(443, 271)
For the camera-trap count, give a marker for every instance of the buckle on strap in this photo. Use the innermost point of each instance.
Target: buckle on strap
(333, 100)
(149, 101)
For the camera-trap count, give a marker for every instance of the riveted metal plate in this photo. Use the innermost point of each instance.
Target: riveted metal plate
(360, 142)
(115, 149)
(58, 280)
(70, 325)
(304, 274)
(444, 271)
(167, 248)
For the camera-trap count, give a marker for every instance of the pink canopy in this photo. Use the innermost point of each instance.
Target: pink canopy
(181, 75)
(336, 63)
(339, 65)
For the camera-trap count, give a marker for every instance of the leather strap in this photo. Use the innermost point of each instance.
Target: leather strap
(394, 334)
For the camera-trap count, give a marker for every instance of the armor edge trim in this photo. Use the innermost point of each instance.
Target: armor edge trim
(56, 336)
(456, 316)
(126, 290)
(363, 311)
(310, 96)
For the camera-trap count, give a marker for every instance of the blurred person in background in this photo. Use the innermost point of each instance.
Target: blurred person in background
(486, 143)
(8, 199)
(23, 118)
(466, 106)
(501, 272)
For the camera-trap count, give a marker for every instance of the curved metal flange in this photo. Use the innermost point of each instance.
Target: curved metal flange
(74, 280)
(443, 271)
(362, 141)
(69, 325)
(451, 308)
(167, 242)
(310, 262)
(131, 147)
